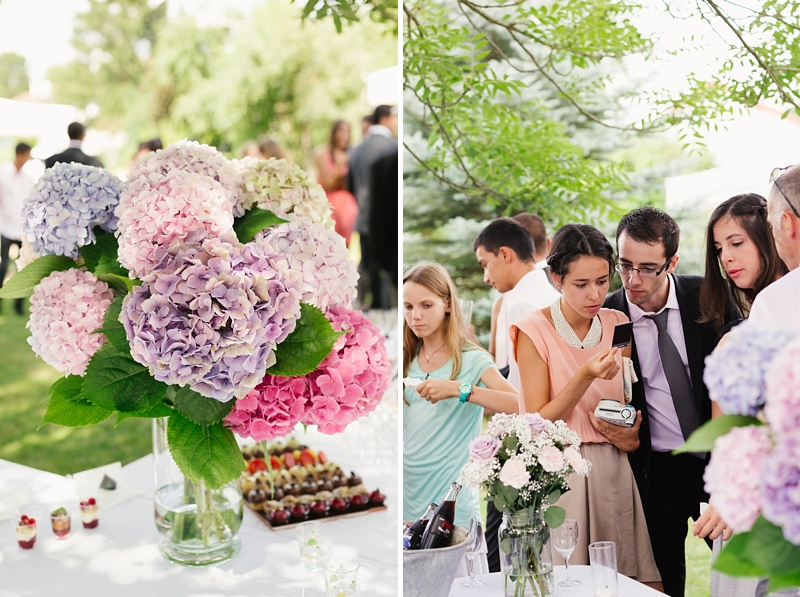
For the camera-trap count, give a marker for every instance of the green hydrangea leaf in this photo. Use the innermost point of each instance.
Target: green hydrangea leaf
(253, 222)
(158, 411)
(200, 409)
(104, 246)
(68, 408)
(117, 382)
(204, 452)
(22, 284)
(113, 329)
(702, 440)
(309, 343)
(768, 549)
(733, 560)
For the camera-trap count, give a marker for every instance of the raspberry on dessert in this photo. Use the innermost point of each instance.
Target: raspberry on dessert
(26, 532)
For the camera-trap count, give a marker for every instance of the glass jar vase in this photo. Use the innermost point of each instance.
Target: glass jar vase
(526, 559)
(198, 526)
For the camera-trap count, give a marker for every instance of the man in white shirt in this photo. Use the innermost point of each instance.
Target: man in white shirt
(15, 185)
(505, 250)
(779, 299)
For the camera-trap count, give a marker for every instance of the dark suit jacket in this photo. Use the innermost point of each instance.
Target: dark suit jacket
(700, 340)
(359, 174)
(383, 212)
(73, 154)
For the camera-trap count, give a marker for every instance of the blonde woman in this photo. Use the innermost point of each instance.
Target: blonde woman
(449, 380)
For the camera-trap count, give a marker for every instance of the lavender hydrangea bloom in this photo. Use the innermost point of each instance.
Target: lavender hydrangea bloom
(780, 486)
(735, 372)
(212, 317)
(783, 392)
(67, 202)
(189, 156)
(320, 258)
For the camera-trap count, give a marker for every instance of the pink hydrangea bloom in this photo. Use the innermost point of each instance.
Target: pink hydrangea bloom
(66, 307)
(348, 384)
(158, 210)
(782, 407)
(271, 410)
(732, 475)
(318, 255)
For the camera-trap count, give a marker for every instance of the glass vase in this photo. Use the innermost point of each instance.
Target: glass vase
(526, 559)
(198, 525)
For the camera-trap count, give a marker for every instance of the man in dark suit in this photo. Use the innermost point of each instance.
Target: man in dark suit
(669, 350)
(383, 216)
(380, 141)
(76, 132)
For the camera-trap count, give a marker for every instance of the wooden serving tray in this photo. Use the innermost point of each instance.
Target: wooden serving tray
(263, 518)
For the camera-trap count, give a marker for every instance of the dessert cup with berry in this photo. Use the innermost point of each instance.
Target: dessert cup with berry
(90, 513)
(26, 532)
(61, 522)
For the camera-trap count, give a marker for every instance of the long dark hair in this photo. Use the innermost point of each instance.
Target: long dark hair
(334, 129)
(575, 240)
(750, 212)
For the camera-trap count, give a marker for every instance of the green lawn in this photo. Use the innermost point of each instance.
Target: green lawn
(24, 380)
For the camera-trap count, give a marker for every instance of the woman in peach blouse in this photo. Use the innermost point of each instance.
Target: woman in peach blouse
(567, 365)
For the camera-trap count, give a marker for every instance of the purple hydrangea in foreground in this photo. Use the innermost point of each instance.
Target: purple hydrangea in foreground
(780, 486)
(783, 392)
(735, 371)
(67, 202)
(212, 317)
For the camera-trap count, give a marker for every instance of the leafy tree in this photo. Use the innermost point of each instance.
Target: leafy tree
(13, 74)
(113, 42)
(340, 11)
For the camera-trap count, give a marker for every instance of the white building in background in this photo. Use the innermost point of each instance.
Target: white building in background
(746, 150)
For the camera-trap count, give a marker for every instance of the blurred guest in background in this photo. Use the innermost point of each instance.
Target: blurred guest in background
(366, 122)
(379, 142)
(76, 132)
(14, 188)
(270, 148)
(331, 163)
(383, 217)
(251, 150)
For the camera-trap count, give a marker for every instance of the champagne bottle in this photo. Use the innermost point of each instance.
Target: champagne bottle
(413, 535)
(439, 531)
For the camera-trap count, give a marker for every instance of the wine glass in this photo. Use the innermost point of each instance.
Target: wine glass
(474, 544)
(565, 538)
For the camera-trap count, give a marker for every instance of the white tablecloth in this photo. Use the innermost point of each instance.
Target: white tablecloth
(120, 557)
(494, 585)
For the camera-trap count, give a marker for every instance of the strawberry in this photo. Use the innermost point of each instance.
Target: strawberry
(321, 457)
(306, 458)
(276, 464)
(256, 465)
(289, 460)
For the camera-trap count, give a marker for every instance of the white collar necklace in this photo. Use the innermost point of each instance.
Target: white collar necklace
(564, 329)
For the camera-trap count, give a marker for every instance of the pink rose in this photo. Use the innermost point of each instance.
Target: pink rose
(551, 459)
(484, 448)
(576, 461)
(536, 421)
(514, 474)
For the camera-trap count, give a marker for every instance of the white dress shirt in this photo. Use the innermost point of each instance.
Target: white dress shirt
(665, 428)
(15, 186)
(776, 305)
(533, 291)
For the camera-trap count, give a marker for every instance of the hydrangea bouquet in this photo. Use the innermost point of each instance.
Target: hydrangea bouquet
(522, 462)
(753, 476)
(208, 291)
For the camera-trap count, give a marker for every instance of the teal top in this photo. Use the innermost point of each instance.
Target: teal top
(436, 438)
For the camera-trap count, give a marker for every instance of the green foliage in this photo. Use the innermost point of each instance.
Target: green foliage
(117, 382)
(22, 284)
(13, 74)
(341, 11)
(762, 551)
(309, 343)
(68, 408)
(204, 452)
(199, 409)
(703, 438)
(113, 329)
(554, 516)
(253, 222)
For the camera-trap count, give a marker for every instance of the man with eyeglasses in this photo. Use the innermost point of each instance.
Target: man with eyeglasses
(777, 303)
(669, 349)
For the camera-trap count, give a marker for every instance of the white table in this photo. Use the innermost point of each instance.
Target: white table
(120, 557)
(494, 585)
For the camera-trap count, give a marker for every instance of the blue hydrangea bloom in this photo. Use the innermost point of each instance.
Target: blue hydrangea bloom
(734, 372)
(67, 202)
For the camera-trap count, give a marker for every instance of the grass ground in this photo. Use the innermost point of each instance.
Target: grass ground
(24, 381)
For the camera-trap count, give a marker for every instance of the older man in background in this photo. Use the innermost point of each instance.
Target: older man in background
(15, 185)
